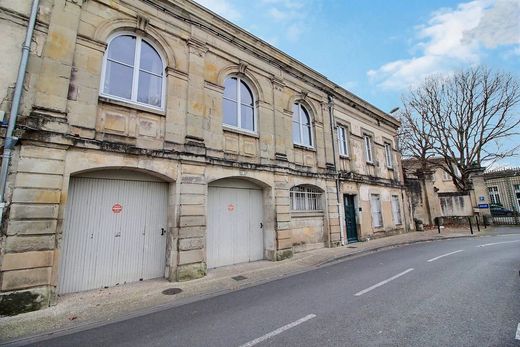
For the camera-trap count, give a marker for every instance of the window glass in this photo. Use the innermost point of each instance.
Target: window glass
(150, 60)
(150, 89)
(247, 122)
(238, 104)
(296, 132)
(122, 49)
(128, 56)
(306, 198)
(118, 80)
(246, 97)
(388, 152)
(342, 139)
(230, 113)
(302, 130)
(368, 148)
(230, 88)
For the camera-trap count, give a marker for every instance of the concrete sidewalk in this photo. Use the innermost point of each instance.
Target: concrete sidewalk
(85, 309)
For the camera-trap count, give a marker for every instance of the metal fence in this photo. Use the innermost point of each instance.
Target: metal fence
(504, 195)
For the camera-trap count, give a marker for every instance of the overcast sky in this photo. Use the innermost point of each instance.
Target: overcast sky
(377, 49)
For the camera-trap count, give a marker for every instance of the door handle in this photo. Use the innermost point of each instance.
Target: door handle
(261, 225)
(163, 231)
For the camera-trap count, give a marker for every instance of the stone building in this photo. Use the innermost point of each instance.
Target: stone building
(157, 139)
(503, 187)
(432, 192)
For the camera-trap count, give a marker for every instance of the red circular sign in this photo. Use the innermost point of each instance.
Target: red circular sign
(117, 208)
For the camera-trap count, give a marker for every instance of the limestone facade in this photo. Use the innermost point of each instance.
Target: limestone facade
(69, 126)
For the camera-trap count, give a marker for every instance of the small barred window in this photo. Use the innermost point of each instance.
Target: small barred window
(306, 198)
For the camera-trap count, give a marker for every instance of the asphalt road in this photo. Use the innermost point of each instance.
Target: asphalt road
(461, 292)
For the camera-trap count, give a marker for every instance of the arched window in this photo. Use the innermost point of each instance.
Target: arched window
(306, 198)
(239, 109)
(133, 71)
(302, 130)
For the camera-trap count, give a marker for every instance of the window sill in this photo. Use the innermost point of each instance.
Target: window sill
(391, 168)
(371, 163)
(306, 148)
(302, 214)
(232, 129)
(342, 156)
(129, 104)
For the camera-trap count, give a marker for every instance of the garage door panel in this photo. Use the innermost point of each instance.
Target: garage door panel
(234, 217)
(102, 248)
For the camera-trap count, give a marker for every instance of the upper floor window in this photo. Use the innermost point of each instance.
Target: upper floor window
(133, 71)
(302, 130)
(343, 140)
(239, 109)
(389, 156)
(306, 198)
(446, 176)
(368, 148)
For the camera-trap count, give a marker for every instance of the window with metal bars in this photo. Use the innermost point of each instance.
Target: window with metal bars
(306, 198)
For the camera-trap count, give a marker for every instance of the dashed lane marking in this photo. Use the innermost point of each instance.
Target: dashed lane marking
(497, 243)
(383, 282)
(278, 331)
(444, 255)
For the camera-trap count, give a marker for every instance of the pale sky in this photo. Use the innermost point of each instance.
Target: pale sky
(377, 49)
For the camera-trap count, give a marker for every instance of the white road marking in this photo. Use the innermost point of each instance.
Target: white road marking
(497, 243)
(383, 282)
(444, 255)
(518, 332)
(278, 331)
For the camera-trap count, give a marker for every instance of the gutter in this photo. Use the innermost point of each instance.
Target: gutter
(10, 141)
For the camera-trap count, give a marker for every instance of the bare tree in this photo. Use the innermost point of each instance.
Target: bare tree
(464, 119)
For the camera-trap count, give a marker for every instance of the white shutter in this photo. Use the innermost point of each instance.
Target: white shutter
(396, 210)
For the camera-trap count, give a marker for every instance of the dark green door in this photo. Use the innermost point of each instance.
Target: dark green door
(350, 218)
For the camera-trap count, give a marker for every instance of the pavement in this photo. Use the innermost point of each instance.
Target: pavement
(87, 310)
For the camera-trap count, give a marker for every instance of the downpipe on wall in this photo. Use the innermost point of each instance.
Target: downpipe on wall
(338, 184)
(10, 140)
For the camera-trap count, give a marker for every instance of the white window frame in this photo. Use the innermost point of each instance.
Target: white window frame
(494, 195)
(343, 141)
(446, 175)
(376, 210)
(136, 68)
(301, 126)
(389, 155)
(369, 148)
(305, 198)
(396, 210)
(239, 110)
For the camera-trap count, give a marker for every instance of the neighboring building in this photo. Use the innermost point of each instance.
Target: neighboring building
(504, 188)
(432, 192)
(158, 139)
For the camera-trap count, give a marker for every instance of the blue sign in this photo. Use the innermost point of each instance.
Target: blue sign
(483, 205)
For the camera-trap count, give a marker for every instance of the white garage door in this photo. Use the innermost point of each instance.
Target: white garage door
(114, 231)
(235, 231)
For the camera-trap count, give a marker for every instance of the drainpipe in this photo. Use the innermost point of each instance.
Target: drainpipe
(338, 185)
(10, 141)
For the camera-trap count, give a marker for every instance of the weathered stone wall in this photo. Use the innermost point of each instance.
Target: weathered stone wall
(67, 128)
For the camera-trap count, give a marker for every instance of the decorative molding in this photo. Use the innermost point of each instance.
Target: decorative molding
(242, 67)
(197, 47)
(142, 23)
